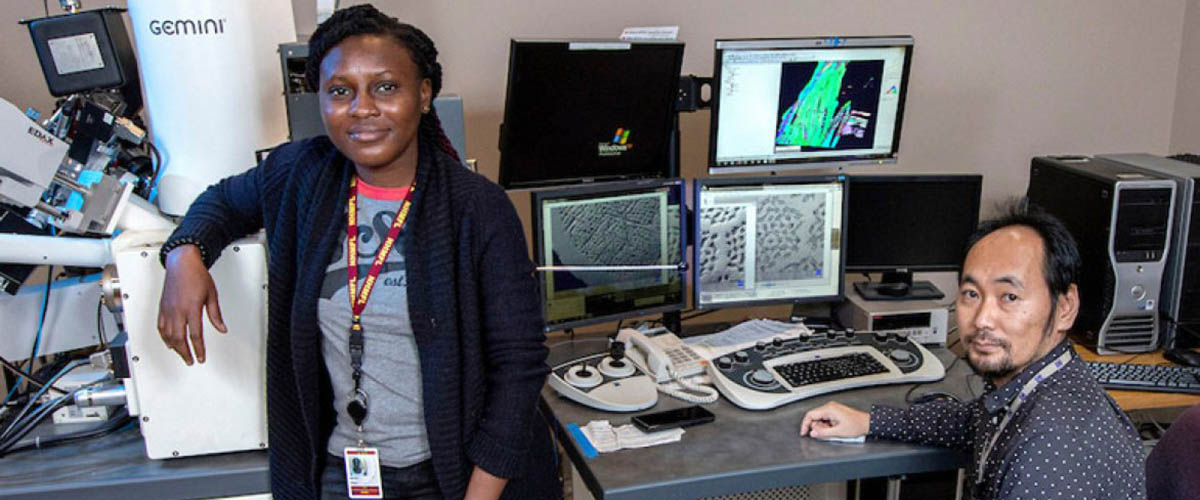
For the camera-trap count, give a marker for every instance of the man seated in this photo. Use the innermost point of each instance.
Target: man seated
(1043, 428)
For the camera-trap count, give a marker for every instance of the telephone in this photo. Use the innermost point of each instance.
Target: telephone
(666, 359)
(663, 356)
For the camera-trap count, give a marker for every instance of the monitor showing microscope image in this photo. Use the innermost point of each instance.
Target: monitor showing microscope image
(768, 240)
(609, 251)
(805, 102)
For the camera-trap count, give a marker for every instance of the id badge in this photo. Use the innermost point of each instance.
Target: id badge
(363, 475)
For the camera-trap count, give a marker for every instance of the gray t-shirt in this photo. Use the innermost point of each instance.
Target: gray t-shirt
(391, 368)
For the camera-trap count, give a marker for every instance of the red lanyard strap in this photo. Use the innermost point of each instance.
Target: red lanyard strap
(358, 298)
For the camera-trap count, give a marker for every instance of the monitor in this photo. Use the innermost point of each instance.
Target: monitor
(609, 251)
(903, 223)
(579, 111)
(768, 240)
(807, 102)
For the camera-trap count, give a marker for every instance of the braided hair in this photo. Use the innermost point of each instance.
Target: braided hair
(367, 20)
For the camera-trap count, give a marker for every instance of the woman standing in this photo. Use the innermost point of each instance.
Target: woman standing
(403, 321)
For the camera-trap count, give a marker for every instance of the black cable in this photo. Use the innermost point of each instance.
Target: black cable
(46, 7)
(698, 314)
(37, 339)
(100, 324)
(41, 324)
(118, 420)
(156, 165)
(29, 423)
(908, 395)
(17, 370)
(9, 439)
(49, 383)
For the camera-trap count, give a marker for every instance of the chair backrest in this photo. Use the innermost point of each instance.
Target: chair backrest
(1173, 467)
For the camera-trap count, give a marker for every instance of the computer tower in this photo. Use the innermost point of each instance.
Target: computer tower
(1179, 302)
(1121, 219)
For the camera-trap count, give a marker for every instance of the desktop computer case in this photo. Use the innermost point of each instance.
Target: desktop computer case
(1180, 299)
(1121, 219)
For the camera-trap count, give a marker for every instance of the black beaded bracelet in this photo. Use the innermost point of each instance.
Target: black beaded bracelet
(178, 242)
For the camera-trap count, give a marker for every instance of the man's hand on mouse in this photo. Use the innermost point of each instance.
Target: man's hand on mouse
(835, 420)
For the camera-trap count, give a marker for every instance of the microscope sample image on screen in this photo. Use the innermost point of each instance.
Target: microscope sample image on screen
(723, 248)
(623, 231)
(828, 105)
(790, 237)
(777, 238)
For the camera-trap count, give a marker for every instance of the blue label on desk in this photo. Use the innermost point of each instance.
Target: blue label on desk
(584, 445)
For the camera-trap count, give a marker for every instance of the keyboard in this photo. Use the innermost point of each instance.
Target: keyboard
(819, 370)
(1155, 378)
(774, 373)
(1187, 157)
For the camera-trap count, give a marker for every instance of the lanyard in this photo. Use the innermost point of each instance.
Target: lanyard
(1026, 391)
(357, 408)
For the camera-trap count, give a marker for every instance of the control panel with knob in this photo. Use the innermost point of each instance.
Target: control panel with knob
(779, 371)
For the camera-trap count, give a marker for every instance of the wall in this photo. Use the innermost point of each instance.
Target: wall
(1185, 127)
(993, 83)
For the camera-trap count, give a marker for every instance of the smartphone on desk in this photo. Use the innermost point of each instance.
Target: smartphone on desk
(670, 419)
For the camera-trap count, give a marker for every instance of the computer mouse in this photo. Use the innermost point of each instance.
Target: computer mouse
(892, 289)
(1185, 357)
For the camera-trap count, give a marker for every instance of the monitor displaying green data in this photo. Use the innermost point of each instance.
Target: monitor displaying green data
(795, 103)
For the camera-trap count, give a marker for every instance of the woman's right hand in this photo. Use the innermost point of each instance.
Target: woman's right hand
(188, 288)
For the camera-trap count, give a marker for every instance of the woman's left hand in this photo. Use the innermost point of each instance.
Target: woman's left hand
(484, 486)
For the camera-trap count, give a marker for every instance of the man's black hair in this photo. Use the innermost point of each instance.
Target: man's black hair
(367, 20)
(1060, 258)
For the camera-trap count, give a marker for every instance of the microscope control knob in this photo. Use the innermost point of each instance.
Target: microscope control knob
(761, 376)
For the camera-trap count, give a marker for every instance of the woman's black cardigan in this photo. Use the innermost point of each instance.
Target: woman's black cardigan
(472, 301)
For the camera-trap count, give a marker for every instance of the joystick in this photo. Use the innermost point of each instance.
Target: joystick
(580, 376)
(615, 365)
(600, 377)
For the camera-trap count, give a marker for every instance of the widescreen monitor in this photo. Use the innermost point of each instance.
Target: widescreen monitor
(588, 111)
(610, 251)
(768, 240)
(898, 224)
(807, 102)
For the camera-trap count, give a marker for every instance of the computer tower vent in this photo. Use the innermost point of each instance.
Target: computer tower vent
(1130, 333)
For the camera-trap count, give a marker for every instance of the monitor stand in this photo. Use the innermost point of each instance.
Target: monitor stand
(673, 322)
(898, 285)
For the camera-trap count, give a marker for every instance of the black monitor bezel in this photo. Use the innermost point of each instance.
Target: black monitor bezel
(616, 187)
(698, 186)
(820, 162)
(977, 179)
(505, 170)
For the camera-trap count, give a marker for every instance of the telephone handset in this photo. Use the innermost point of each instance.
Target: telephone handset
(664, 356)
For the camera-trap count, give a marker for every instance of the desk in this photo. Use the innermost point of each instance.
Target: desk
(1139, 400)
(115, 467)
(754, 450)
